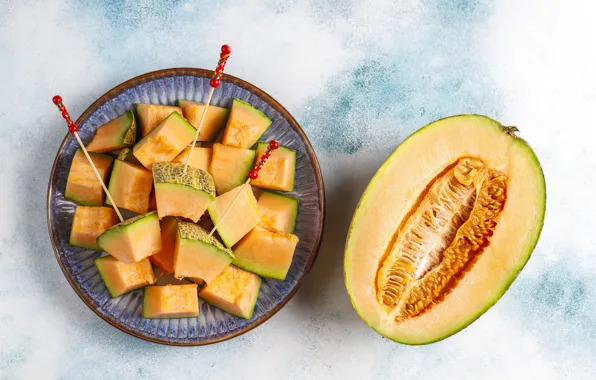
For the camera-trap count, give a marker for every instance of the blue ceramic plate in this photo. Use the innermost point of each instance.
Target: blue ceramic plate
(213, 325)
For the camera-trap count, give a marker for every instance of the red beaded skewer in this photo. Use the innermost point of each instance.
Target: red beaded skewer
(73, 129)
(215, 81)
(252, 175)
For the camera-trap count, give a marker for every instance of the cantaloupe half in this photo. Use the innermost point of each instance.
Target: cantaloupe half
(245, 125)
(151, 115)
(179, 192)
(90, 222)
(82, 186)
(234, 291)
(121, 278)
(214, 121)
(171, 301)
(200, 157)
(130, 186)
(116, 134)
(443, 229)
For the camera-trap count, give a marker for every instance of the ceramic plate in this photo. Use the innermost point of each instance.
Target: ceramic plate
(213, 325)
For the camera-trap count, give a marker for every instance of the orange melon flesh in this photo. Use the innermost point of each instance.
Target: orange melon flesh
(121, 278)
(164, 142)
(171, 301)
(279, 170)
(151, 115)
(241, 217)
(234, 291)
(152, 201)
(115, 134)
(278, 212)
(134, 239)
(393, 192)
(200, 158)
(245, 125)
(266, 253)
(130, 186)
(214, 121)
(164, 259)
(198, 255)
(82, 186)
(90, 222)
(230, 166)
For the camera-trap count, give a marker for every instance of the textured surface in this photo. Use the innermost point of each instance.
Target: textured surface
(359, 77)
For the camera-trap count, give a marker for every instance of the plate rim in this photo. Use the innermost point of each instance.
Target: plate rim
(202, 73)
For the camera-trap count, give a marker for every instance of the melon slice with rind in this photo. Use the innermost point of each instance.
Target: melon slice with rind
(134, 239)
(82, 186)
(151, 115)
(171, 301)
(278, 212)
(234, 291)
(121, 278)
(214, 122)
(280, 169)
(230, 166)
(130, 186)
(198, 255)
(245, 125)
(182, 193)
(90, 222)
(116, 134)
(200, 158)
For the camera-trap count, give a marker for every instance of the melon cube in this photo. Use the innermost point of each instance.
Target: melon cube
(200, 158)
(134, 239)
(127, 155)
(278, 212)
(82, 186)
(152, 200)
(240, 218)
(266, 253)
(130, 186)
(198, 255)
(279, 170)
(245, 125)
(230, 166)
(171, 301)
(164, 259)
(214, 121)
(115, 134)
(234, 291)
(90, 222)
(151, 115)
(121, 278)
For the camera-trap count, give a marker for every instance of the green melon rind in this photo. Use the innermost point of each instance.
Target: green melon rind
(293, 202)
(173, 173)
(194, 232)
(535, 234)
(262, 148)
(129, 134)
(101, 156)
(241, 103)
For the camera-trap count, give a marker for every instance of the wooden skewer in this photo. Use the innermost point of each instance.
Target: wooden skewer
(73, 129)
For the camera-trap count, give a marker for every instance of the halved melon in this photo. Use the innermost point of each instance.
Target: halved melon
(200, 158)
(214, 121)
(279, 170)
(127, 155)
(179, 193)
(444, 228)
(121, 278)
(151, 115)
(90, 222)
(130, 186)
(115, 134)
(240, 218)
(164, 259)
(230, 166)
(134, 239)
(234, 291)
(82, 186)
(266, 253)
(278, 212)
(245, 125)
(198, 255)
(165, 142)
(171, 301)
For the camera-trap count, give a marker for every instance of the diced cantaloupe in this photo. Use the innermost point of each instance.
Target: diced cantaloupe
(82, 186)
(164, 259)
(151, 115)
(230, 166)
(198, 255)
(164, 142)
(121, 278)
(266, 253)
(245, 125)
(134, 239)
(234, 291)
(179, 192)
(200, 158)
(241, 217)
(214, 121)
(171, 301)
(90, 222)
(116, 134)
(278, 212)
(279, 171)
(130, 186)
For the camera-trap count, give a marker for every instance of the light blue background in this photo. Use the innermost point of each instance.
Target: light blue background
(359, 77)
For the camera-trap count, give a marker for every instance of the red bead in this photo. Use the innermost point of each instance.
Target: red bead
(226, 49)
(253, 174)
(273, 145)
(72, 128)
(57, 99)
(65, 114)
(220, 68)
(214, 82)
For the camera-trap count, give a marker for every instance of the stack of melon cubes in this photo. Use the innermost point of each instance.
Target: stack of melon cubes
(141, 156)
